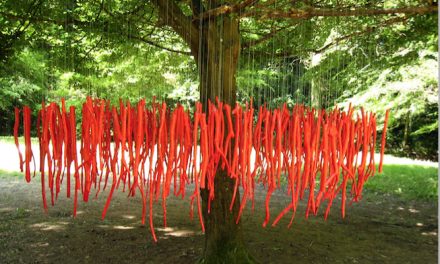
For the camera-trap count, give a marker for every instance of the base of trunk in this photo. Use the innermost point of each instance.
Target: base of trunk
(224, 241)
(230, 253)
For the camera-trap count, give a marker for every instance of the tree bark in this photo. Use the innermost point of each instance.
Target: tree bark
(217, 62)
(215, 45)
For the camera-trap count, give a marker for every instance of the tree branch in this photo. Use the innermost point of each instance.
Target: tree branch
(24, 24)
(327, 12)
(171, 14)
(149, 42)
(226, 9)
(197, 7)
(249, 44)
(342, 38)
(358, 33)
(266, 4)
(77, 22)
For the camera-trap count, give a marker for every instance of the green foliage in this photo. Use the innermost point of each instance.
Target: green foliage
(426, 129)
(74, 49)
(373, 62)
(408, 181)
(410, 90)
(25, 76)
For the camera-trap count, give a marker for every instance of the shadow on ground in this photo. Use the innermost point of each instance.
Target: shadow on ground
(379, 229)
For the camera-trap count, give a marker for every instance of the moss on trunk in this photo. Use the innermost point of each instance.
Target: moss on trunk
(224, 238)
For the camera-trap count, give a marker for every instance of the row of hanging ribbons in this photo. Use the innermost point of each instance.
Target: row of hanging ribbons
(316, 153)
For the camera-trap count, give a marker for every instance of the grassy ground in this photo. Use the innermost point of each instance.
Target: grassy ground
(10, 139)
(7, 174)
(407, 181)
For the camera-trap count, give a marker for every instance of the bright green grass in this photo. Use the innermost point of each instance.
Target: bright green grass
(407, 181)
(6, 174)
(9, 139)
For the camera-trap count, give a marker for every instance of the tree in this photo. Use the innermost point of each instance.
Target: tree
(210, 32)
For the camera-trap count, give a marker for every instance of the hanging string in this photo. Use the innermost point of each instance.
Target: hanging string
(188, 72)
(232, 92)
(279, 70)
(285, 87)
(211, 78)
(336, 72)
(254, 76)
(266, 68)
(91, 71)
(249, 74)
(200, 53)
(66, 66)
(302, 69)
(296, 79)
(273, 62)
(220, 76)
(108, 45)
(339, 64)
(146, 59)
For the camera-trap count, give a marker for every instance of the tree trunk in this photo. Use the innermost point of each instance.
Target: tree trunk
(315, 94)
(215, 45)
(217, 62)
(406, 131)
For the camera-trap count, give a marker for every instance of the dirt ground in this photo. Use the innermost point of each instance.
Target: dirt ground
(379, 229)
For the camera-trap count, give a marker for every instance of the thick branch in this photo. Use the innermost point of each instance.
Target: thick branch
(266, 4)
(171, 14)
(226, 9)
(326, 12)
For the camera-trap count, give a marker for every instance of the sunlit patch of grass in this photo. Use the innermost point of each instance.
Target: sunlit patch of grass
(407, 181)
(8, 174)
(10, 139)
